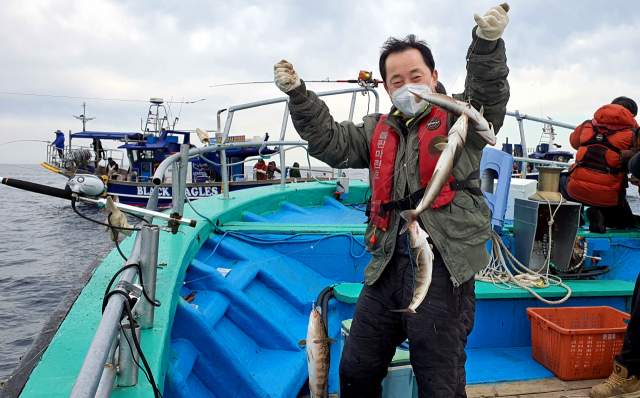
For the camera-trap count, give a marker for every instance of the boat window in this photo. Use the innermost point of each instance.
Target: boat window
(146, 167)
(146, 155)
(134, 156)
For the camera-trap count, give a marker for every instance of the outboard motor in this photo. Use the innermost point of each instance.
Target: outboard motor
(87, 185)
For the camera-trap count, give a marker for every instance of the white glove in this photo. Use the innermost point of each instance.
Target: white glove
(118, 219)
(202, 135)
(491, 26)
(285, 76)
(262, 172)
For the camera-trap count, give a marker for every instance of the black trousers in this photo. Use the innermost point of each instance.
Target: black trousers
(437, 333)
(630, 355)
(619, 216)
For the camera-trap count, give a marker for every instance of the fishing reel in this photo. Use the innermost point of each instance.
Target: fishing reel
(85, 184)
(366, 80)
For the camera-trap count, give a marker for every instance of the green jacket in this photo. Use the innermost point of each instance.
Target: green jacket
(461, 229)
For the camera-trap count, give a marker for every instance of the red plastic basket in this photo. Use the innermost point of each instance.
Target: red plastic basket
(577, 343)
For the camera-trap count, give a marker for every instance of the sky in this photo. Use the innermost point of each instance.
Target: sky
(566, 59)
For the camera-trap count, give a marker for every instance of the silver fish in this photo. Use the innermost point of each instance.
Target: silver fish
(318, 353)
(450, 147)
(422, 257)
(457, 108)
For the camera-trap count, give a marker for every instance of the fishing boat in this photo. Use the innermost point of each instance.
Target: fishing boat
(139, 154)
(221, 289)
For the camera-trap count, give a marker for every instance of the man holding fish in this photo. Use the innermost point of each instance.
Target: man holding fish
(423, 157)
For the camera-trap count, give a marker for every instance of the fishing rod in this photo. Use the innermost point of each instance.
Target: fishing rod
(365, 79)
(87, 188)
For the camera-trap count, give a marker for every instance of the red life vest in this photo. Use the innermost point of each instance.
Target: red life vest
(598, 177)
(264, 167)
(383, 150)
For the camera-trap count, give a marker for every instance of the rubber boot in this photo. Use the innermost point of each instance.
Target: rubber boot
(596, 221)
(619, 384)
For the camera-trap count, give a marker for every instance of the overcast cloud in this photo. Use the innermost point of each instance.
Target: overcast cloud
(566, 59)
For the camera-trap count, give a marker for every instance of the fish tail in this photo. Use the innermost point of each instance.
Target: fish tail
(409, 216)
(409, 310)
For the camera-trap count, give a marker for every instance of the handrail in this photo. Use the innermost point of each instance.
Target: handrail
(518, 115)
(523, 141)
(89, 377)
(157, 176)
(542, 161)
(285, 119)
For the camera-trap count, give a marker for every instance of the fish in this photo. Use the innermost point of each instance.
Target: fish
(318, 353)
(452, 146)
(422, 257)
(457, 108)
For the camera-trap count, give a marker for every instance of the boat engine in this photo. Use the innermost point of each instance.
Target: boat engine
(87, 185)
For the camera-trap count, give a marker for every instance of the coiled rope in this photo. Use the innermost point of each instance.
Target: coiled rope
(498, 273)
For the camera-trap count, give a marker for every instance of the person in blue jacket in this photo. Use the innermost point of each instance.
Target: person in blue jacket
(59, 143)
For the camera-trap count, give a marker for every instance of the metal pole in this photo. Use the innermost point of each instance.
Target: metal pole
(184, 161)
(517, 115)
(128, 356)
(138, 210)
(283, 130)
(149, 266)
(353, 106)
(175, 184)
(523, 142)
(152, 203)
(223, 156)
(108, 379)
(88, 379)
(225, 175)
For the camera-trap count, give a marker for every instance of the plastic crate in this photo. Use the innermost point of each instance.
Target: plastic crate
(577, 343)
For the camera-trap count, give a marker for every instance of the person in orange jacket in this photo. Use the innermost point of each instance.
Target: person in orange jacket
(599, 177)
(261, 170)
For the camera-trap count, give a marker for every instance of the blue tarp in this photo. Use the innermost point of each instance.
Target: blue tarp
(106, 136)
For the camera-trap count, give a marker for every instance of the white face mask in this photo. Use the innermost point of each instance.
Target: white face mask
(406, 102)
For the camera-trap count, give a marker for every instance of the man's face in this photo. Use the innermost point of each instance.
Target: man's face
(408, 67)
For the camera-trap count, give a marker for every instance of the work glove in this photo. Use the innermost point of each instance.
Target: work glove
(202, 135)
(285, 76)
(117, 219)
(491, 26)
(627, 154)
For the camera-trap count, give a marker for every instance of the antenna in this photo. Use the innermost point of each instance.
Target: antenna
(83, 117)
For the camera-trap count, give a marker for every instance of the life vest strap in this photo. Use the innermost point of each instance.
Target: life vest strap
(409, 202)
(596, 167)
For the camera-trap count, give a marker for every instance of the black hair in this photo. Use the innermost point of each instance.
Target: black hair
(393, 45)
(628, 103)
(440, 88)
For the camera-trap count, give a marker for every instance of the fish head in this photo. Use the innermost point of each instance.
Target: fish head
(442, 101)
(489, 135)
(417, 236)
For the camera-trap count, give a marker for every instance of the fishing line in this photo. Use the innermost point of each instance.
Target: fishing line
(11, 142)
(93, 98)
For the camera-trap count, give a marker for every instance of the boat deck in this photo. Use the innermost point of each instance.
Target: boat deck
(256, 278)
(543, 388)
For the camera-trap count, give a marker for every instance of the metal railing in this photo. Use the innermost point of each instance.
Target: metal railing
(525, 161)
(285, 119)
(54, 159)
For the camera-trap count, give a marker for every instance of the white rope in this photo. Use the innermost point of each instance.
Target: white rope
(498, 273)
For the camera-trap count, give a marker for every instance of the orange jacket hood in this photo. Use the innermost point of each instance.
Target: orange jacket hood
(615, 115)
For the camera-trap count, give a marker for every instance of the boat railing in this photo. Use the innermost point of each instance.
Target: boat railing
(525, 160)
(283, 128)
(54, 159)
